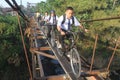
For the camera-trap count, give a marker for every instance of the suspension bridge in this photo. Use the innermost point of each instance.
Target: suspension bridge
(43, 53)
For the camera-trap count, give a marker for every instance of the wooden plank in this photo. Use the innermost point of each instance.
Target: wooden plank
(40, 66)
(95, 72)
(37, 68)
(54, 77)
(45, 48)
(38, 37)
(45, 54)
(65, 64)
(60, 77)
(33, 66)
(96, 77)
(40, 49)
(111, 48)
(91, 78)
(35, 31)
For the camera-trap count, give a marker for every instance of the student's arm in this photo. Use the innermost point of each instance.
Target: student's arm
(57, 18)
(47, 19)
(61, 32)
(59, 23)
(80, 25)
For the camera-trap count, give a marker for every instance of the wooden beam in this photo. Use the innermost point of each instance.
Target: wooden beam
(37, 68)
(54, 77)
(91, 78)
(94, 72)
(60, 77)
(33, 66)
(111, 48)
(96, 77)
(41, 48)
(38, 37)
(36, 31)
(40, 66)
(102, 19)
(44, 54)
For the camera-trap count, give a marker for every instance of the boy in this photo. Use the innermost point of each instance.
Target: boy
(45, 17)
(65, 22)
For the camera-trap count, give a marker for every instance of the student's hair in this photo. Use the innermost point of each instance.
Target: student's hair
(52, 11)
(69, 8)
(46, 12)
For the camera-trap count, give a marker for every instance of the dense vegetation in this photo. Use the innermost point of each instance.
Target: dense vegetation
(12, 62)
(108, 31)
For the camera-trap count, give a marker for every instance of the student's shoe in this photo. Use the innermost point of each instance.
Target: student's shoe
(58, 44)
(48, 38)
(61, 53)
(68, 55)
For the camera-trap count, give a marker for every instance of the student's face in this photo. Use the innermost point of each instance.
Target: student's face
(52, 14)
(46, 13)
(69, 13)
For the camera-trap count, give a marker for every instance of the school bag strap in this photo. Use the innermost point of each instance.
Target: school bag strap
(64, 18)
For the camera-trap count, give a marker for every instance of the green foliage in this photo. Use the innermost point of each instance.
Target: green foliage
(8, 25)
(11, 51)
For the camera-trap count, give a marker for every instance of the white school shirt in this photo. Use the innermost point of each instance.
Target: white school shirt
(51, 19)
(65, 24)
(37, 14)
(45, 18)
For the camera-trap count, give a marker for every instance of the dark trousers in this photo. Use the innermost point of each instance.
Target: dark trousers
(62, 38)
(42, 23)
(50, 28)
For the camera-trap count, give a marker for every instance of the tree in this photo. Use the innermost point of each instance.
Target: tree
(11, 50)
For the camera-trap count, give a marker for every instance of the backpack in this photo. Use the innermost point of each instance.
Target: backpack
(64, 18)
(55, 19)
(40, 17)
(54, 16)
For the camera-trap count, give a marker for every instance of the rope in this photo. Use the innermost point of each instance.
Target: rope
(102, 19)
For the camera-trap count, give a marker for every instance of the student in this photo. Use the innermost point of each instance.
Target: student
(64, 24)
(52, 20)
(44, 19)
(38, 16)
(46, 16)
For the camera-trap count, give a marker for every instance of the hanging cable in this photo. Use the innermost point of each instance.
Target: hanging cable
(102, 19)
(20, 11)
(15, 7)
(9, 3)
